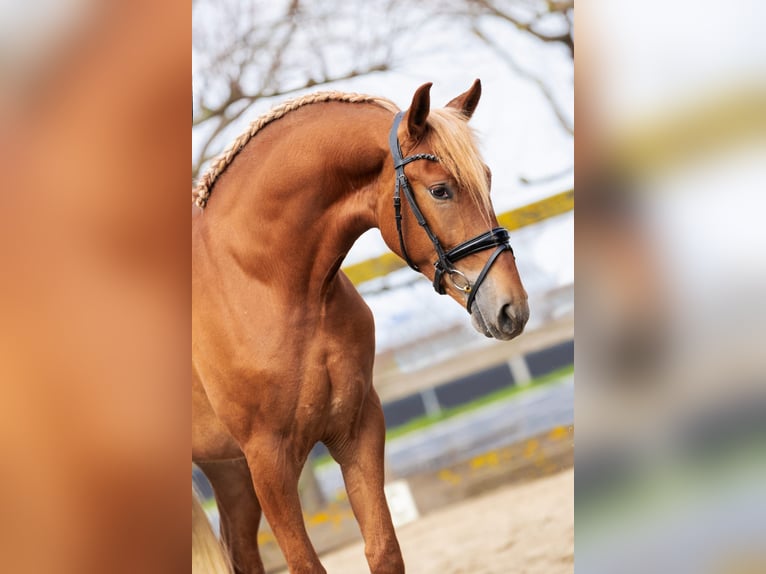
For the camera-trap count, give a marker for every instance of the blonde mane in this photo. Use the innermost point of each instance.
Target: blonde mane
(201, 193)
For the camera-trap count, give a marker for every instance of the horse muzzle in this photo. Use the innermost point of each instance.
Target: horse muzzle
(503, 321)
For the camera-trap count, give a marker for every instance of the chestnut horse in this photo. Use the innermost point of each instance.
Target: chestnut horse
(283, 344)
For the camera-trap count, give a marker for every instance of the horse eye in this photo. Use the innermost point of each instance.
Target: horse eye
(440, 192)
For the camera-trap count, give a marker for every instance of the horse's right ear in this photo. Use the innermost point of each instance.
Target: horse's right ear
(466, 102)
(418, 112)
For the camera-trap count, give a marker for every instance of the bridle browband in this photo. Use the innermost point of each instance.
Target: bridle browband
(497, 237)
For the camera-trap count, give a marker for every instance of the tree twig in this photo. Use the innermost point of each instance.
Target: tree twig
(544, 89)
(553, 7)
(222, 112)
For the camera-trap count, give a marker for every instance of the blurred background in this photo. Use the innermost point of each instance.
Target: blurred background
(671, 174)
(452, 398)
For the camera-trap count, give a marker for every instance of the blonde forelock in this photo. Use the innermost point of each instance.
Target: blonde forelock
(454, 143)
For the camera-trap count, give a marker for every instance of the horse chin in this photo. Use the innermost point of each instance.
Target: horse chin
(478, 322)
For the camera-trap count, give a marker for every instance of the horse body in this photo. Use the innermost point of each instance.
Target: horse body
(283, 344)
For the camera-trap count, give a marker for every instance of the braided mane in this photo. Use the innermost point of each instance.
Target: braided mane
(201, 193)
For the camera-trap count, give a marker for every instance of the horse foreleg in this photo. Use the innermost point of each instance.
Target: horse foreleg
(361, 458)
(275, 469)
(239, 510)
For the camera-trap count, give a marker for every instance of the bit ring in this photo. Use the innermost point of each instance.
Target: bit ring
(464, 287)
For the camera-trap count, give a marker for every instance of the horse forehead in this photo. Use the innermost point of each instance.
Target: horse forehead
(433, 169)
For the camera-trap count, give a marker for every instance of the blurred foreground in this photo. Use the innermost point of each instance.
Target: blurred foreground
(94, 287)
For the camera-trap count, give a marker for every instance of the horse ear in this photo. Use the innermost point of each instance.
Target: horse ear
(418, 112)
(467, 101)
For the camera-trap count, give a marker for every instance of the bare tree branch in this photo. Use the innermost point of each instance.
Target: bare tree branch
(529, 27)
(225, 117)
(546, 178)
(544, 89)
(272, 48)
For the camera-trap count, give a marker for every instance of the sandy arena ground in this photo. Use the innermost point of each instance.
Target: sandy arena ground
(525, 529)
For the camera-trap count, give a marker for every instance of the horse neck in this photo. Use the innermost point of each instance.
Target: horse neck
(299, 194)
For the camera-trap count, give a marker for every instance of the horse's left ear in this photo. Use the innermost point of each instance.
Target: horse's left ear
(467, 101)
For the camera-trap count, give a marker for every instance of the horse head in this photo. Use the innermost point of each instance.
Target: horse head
(441, 220)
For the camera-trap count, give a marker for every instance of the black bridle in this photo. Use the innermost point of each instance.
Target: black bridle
(497, 237)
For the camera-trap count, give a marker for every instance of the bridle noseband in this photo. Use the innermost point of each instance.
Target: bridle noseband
(497, 237)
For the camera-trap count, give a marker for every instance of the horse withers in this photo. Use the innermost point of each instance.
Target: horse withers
(283, 344)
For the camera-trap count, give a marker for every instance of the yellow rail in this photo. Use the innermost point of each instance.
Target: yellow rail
(514, 219)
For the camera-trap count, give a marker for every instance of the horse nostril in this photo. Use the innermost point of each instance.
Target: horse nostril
(507, 317)
(513, 318)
